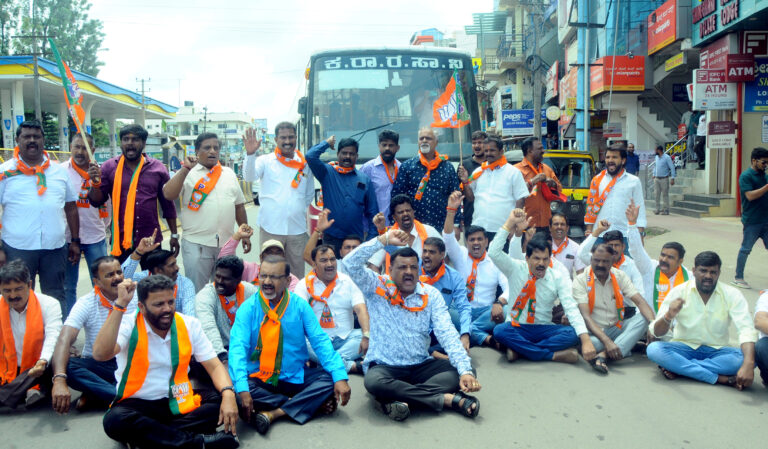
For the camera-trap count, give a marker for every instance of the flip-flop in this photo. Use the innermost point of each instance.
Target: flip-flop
(329, 406)
(669, 375)
(466, 408)
(602, 368)
(261, 422)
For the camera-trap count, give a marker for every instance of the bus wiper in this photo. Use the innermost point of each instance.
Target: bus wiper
(363, 133)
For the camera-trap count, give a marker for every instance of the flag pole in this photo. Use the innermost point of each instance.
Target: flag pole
(85, 139)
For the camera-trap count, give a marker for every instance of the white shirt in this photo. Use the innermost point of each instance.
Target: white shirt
(51, 311)
(701, 128)
(614, 210)
(160, 368)
(93, 228)
(496, 193)
(31, 221)
(89, 314)
(344, 298)
(628, 266)
(283, 209)
(569, 257)
(762, 306)
(214, 223)
(378, 259)
(515, 251)
(488, 276)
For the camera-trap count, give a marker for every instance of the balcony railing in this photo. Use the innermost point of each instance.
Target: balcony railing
(511, 49)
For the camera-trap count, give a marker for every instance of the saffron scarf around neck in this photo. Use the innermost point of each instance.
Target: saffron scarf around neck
(596, 199)
(23, 169)
(33, 339)
(661, 285)
(421, 231)
(290, 163)
(486, 166)
(119, 244)
(527, 295)
(389, 291)
(431, 280)
(472, 279)
(85, 186)
(617, 295)
(230, 307)
(203, 187)
(340, 169)
(430, 165)
(269, 347)
(326, 317)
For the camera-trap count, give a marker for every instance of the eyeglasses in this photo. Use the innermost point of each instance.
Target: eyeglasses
(274, 277)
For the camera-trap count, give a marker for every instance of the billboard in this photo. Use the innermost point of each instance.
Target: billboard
(662, 26)
(519, 122)
(622, 73)
(711, 92)
(756, 91)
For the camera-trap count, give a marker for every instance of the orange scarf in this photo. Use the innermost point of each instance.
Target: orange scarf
(596, 199)
(203, 187)
(102, 299)
(527, 295)
(181, 399)
(427, 279)
(290, 163)
(326, 318)
(616, 295)
(23, 169)
(560, 248)
(486, 166)
(386, 169)
(389, 291)
(472, 279)
(33, 339)
(420, 230)
(620, 262)
(269, 347)
(340, 169)
(430, 165)
(85, 186)
(231, 307)
(130, 204)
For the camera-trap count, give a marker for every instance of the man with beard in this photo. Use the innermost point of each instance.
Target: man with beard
(29, 326)
(528, 330)
(611, 191)
(268, 248)
(399, 371)
(452, 286)
(633, 160)
(382, 171)
(605, 296)
(401, 211)
(336, 301)
(155, 261)
(212, 205)
(268, 355)
(349, 194)
(38, 204)
(429, 179)
(95, 380)
(134, 183)
(702, 310)
(614, 239)
(471, 164)
(536, 175)
(154, 348)
(217, 302)
(564, 249)
(753, 186)
(481, 275)
(349, 242)
(93, 220)
(659, 276)
(287, 189)
(497, 187)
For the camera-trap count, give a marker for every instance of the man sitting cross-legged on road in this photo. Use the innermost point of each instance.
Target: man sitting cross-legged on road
(268, 355)
(349, 243)
(698, 313)
(399, 371)
(528, 329)
(96, 380)
(614, 239)
(602, 292)
(217, 303)
(153, 348)
(336, 300)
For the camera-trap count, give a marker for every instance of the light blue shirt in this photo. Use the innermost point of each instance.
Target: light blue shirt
(298, 322)
(453, 287)
(400, 337)
(377, 172)
(664, 167)
(185, 298)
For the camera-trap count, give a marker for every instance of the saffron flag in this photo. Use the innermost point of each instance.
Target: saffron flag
(71, 92)
(450, 109)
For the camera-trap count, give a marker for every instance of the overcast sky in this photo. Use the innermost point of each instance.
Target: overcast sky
(250, 55)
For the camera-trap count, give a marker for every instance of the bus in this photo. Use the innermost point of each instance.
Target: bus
(359, 92)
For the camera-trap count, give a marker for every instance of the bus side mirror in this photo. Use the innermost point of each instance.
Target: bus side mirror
(302, 106)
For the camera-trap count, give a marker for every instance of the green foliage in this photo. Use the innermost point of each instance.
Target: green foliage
(9, 18)
(77, 36)
(100, 132)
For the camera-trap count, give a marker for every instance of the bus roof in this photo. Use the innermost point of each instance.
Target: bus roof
(409, 49)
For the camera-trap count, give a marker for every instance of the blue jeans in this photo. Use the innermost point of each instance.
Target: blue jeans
(92, 252)
(536, 341)
(348, 348)
(752, 233)
(703, 364)
(625, 338)
(761, 357)
(482, 326)
(93, 378)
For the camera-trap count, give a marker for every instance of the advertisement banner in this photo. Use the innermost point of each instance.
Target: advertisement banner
(519, 122)
(626, 74)
(662, 26)
(721, 134)
(756, 91)
(551, 81)
(568, 91)
(674, 61)
(740, 68)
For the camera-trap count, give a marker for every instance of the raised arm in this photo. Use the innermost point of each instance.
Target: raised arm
(172, 188)
(507, 264)
(355, 262)
(105, 347)
(318, 167)
(643, 262)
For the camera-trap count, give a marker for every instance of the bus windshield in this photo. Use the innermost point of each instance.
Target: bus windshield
(350, 94)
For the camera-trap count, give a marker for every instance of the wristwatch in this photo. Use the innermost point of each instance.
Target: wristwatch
(175, 236)
(230, 388)
(75, 240)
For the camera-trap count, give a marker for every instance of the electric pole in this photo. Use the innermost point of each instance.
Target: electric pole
(534, 62)
(143, 102)
(35, 71)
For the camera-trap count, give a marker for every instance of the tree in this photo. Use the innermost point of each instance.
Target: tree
(77, 36)
(9, 18)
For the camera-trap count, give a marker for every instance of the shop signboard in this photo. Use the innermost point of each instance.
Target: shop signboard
(711, 18)
(711, 92)
(740, 68)
(551, 81)
(675, 61)
(662, 26)
(756, 91)
(620, 73)
(612, 130)
(519, 122)
(721, 134)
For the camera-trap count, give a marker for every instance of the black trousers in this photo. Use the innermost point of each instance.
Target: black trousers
(299, 401)
(150, 424)
(423, 384)
(14, 393)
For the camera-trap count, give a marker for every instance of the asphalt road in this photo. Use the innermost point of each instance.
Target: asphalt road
(523, 405)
